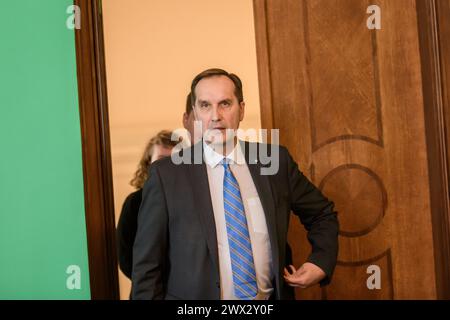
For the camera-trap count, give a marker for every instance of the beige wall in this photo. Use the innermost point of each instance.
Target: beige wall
(153, 50)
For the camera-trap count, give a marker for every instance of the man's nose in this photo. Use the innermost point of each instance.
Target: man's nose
(215, 114)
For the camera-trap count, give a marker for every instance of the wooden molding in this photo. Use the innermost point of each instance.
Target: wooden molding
(264, 66)
(98, 187)
(434, 29)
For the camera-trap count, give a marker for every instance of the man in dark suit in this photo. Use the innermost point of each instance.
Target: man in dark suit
(218, 229)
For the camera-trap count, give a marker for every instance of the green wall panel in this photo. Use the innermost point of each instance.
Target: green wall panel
(42, 222)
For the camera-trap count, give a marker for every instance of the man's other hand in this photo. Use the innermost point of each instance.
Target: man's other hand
(307, 275)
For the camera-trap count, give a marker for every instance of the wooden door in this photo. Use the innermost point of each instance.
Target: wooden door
(349, 103)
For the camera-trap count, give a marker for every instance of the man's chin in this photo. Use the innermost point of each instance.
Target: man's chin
(215, 137)
(220, 141)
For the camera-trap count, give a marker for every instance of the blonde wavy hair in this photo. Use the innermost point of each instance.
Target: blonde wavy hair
(163, 138)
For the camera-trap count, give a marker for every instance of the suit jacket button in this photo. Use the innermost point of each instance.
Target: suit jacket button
(218, 284)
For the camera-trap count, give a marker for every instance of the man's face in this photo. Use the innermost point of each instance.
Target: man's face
(160, 151)
(218, 109)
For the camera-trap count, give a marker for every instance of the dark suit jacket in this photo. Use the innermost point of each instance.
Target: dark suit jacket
(175, 252)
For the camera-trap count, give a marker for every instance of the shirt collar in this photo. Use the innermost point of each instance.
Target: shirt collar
(213, 158)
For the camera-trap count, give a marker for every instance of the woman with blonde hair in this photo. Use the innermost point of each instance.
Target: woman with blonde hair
(158, 147)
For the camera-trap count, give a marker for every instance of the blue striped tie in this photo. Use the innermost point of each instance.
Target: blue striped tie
(244, 275)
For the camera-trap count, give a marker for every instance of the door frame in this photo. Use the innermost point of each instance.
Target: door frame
(433, 27)
(96, 150)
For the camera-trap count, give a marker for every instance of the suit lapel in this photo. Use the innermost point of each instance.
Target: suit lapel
(202, 197)
(265, 193)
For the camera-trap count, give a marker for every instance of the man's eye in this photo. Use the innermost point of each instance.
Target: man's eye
(226, 104)
(204, 105)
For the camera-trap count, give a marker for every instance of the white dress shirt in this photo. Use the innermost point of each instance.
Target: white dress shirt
(256, 221)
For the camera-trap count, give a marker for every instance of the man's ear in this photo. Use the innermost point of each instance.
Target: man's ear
(241, 110)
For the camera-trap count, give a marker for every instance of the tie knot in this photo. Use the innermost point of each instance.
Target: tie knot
(225, 163)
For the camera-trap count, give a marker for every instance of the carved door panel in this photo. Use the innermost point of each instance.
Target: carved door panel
(349, 105)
